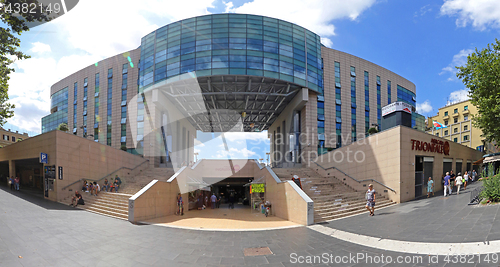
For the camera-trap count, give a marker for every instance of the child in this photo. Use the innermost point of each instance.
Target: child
(430, 187)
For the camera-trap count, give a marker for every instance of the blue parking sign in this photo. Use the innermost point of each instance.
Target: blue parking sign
(44, 158)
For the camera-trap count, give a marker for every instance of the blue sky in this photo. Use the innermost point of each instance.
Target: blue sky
(419, 40)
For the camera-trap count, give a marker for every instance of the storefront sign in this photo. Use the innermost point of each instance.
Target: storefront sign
(257, 188)
(396, 106)
(60, 170)
(437, 146)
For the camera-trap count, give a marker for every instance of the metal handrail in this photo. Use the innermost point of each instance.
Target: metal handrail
(359, 181)
(111, 173)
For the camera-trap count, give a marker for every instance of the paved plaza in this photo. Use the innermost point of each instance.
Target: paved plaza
(37, 232)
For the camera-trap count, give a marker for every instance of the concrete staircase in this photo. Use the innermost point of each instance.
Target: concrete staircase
(332, 198)
(133, 184)
(116, 204)
(110, 204)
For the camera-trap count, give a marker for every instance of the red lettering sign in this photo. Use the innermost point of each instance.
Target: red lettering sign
(436, 146)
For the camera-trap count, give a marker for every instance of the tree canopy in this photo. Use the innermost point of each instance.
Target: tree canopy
(11, 27)
(481, 76)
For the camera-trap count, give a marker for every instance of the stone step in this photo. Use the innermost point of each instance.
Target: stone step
(318, 205)
(109, 213)
(339, 210)
(117, 209)
(318, 219)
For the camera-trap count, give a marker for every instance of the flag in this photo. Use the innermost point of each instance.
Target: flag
(438, 125)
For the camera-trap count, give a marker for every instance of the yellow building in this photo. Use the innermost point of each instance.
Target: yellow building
(8, 137)
(457, 117)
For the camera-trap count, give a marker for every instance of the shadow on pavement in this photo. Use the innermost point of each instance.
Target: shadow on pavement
(36, 197)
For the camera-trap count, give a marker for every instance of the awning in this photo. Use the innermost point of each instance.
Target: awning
(491, 159)
(478, 162)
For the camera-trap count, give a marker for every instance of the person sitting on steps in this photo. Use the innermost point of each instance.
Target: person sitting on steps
(78, 199)
(116, 184)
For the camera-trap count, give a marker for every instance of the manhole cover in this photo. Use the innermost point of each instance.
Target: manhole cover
(257, 251)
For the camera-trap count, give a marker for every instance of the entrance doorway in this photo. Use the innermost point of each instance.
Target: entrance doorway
(232, 189)
(419, 175)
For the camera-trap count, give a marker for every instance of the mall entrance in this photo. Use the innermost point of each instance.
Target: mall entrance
(232, 189)
(423, 170)
(30, 173)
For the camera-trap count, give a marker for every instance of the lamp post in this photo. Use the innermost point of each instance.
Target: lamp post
(268, 155)
(196, 156)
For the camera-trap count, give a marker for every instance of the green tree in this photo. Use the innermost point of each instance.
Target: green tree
(372, 131)
(481, 75)
(63, 127)
(12, 27)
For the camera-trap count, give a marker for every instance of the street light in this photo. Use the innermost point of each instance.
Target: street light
(196, 156)
(268, 155)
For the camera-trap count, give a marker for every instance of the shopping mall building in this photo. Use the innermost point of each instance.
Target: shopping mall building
(224, 70)
(238, 73)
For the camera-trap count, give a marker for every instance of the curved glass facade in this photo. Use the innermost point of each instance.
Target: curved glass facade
(232, 44)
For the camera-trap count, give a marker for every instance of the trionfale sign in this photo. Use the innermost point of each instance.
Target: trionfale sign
(437, 146)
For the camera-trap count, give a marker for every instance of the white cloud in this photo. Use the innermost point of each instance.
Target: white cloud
(250, 138)
(425, 107)
(125, 25)
(315, 15)
(423, 10)
(458, 96)
(327, 42)
(229, 6)
(235, 153)
(40, 47)
(458, 60)
(480, 13)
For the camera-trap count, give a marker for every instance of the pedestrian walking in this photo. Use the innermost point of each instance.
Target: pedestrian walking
(458, 182)
(180, 207)
(474, 175)
(430, 187)
(213, 200)
(466, 179)
(370, 200)
(16, 181)
(11, 183)
(452, 179)
(447, 186)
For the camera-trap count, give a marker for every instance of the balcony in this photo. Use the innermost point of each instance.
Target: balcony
(455, 115)
(445, 117)
(465, 112)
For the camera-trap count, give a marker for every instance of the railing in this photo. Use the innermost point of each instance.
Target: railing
(475, 195)
(359, 181)
(107, 175)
